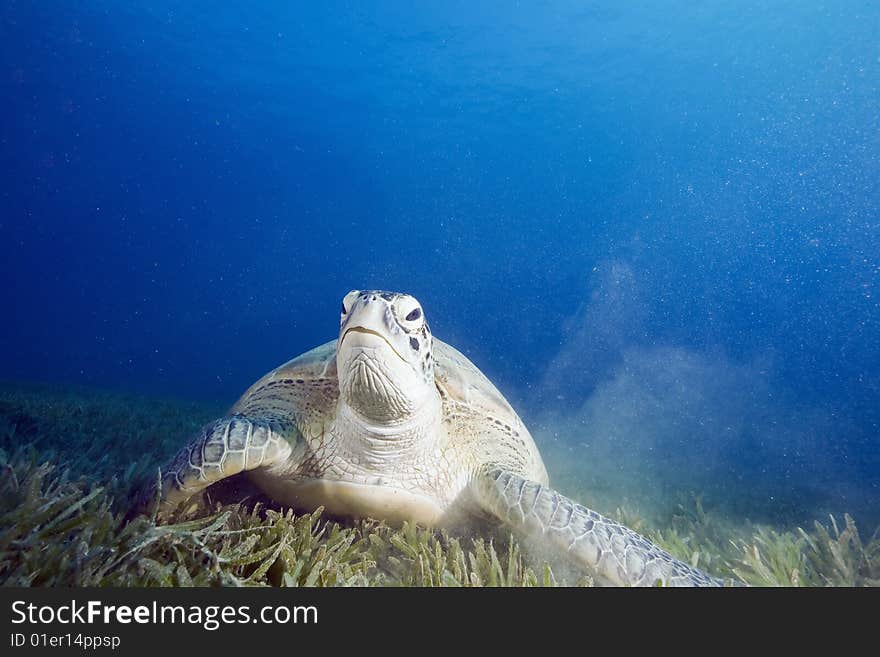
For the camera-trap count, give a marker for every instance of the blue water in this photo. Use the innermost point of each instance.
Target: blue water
(657, 223)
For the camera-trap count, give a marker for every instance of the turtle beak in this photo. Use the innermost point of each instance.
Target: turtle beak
(370, 325)
(366, 338)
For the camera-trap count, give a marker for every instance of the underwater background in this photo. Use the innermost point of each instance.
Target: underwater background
(655, 226)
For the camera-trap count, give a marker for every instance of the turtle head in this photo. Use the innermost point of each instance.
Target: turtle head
(383, 356)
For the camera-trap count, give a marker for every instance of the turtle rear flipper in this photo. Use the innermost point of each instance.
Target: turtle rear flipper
(615, 554)
(220, 449)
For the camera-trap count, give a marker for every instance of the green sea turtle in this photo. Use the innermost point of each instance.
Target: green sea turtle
(390, 423)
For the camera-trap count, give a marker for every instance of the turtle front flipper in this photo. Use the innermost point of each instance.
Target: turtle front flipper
(614, 553)
(219, 450)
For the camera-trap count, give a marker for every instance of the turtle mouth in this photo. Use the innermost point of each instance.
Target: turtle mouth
(361, 329)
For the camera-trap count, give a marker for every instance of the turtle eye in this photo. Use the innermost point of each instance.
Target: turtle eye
(414, 315)
(351, 297)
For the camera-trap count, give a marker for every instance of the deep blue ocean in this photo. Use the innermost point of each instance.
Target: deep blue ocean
(655, 226)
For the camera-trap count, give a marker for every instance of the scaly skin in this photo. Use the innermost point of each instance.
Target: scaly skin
(221, 449)
(617, 554)
(390, 423)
